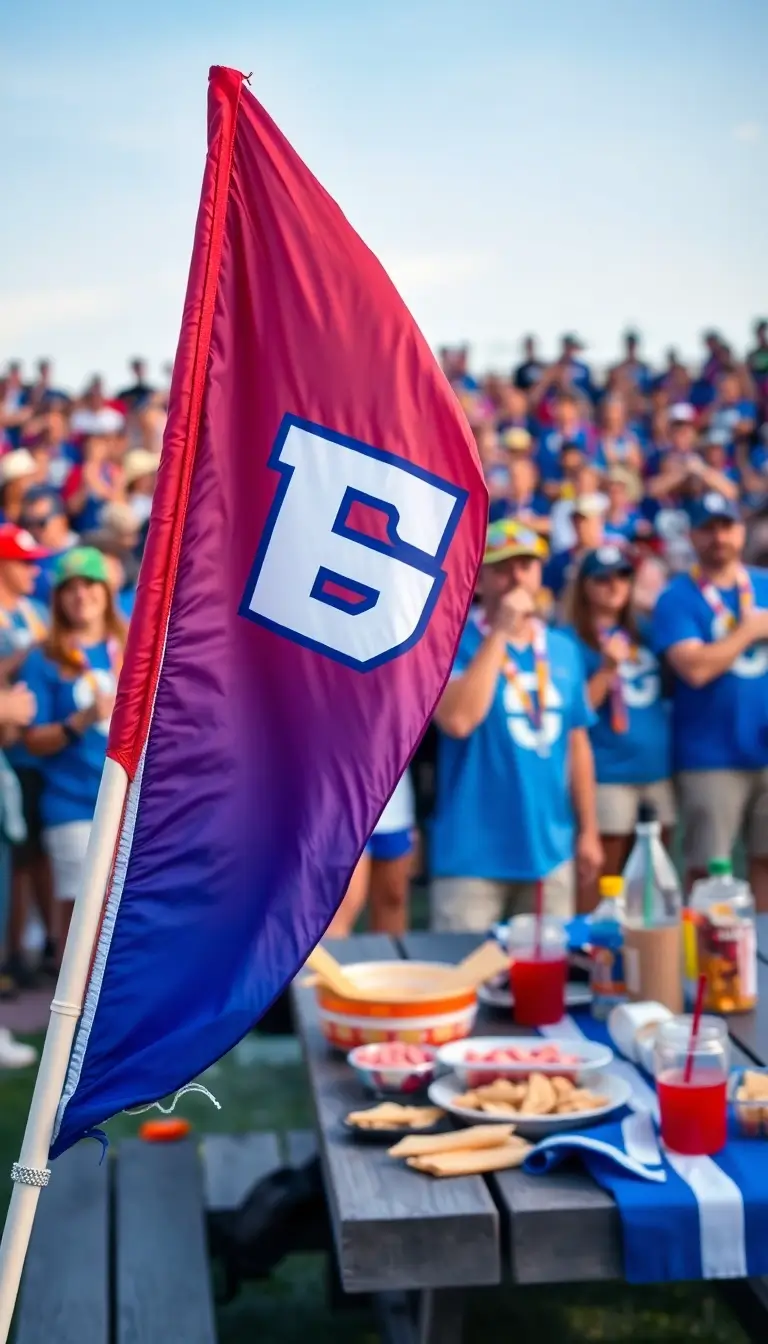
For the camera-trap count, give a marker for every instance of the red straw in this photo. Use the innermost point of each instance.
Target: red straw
(695, 1028)
(539, 916)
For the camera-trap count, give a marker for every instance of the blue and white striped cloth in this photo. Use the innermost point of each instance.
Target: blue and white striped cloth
(682, 1217)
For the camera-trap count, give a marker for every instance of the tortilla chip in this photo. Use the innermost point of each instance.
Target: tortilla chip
(478, 1136)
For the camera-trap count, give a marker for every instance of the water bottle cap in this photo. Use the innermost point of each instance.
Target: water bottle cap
(612, 887)
(646, 812)
(720, 868)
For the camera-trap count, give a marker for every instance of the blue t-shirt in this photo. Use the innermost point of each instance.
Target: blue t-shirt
(538, 505)
(724, 725)
(558, 571)
(623, 531)
(503, 809)
(643, 754)
(71, 776)
(21, 627)
(550, 446)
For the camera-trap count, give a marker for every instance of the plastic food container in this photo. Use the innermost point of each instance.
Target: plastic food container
(402, 1080)
(425, 1008)
(750, 1115)
(574, 1059)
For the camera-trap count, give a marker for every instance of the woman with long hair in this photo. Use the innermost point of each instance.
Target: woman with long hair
(73, 676)
(631, 739)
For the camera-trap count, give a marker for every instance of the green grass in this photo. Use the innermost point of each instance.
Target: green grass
(261, 1085)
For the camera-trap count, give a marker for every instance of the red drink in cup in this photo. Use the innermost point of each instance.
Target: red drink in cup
(538, 989)
(693, 1115)
(692, 1091)
(538, 970)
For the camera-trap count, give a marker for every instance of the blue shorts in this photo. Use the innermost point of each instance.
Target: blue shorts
(390, 844)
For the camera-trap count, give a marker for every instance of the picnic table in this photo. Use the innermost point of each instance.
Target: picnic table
(417, 1244)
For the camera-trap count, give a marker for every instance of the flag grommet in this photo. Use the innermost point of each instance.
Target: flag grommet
(30, 1175)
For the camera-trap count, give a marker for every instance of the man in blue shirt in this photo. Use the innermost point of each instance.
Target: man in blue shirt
(712, 627)
(515, 775)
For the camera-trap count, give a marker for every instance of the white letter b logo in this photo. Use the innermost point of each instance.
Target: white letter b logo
(350, 563)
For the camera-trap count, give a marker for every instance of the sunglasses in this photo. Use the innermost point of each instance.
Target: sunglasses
(31, 523)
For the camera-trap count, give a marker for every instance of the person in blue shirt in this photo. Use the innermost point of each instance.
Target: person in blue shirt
(568, 429)
(622, 488)
(631, 738)
(514, 485)
(711, 625)
(731, 410)
(382, 877)
(73, 677)
(515, 776)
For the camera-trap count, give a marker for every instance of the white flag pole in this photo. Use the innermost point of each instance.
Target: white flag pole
(31, 1170)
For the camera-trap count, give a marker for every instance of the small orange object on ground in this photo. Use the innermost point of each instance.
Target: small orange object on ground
(164, 1131)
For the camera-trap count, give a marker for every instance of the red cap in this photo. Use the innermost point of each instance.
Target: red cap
(17, 544)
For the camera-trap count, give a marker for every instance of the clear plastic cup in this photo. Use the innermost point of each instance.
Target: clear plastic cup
(538, 974)
(694, 1114)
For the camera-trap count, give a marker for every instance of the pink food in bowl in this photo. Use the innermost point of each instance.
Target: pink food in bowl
(394, 1066)
(568, 1065)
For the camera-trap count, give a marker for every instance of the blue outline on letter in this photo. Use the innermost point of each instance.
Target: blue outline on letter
(398, 549)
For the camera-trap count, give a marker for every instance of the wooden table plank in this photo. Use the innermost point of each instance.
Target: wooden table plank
(65, 1291)
(163, 1289)
(232, 1165)
(393, 1229)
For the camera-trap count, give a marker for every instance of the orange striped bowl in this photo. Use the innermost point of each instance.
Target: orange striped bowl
(424, 1007)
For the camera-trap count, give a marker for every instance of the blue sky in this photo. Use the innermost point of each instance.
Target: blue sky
(515, 166)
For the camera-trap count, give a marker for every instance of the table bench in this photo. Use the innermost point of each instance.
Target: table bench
(119, 1253)
(417, 1244)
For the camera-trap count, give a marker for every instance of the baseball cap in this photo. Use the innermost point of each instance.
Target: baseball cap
(19, 462)
(18, 544)
(591, 506)
(508, 539)
(713, 505)
(516, 439)
(682, 414)
(139, 462)
(82, 562)
(605, 561)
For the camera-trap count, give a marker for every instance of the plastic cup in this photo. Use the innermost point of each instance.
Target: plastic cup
(537, 975)
(694, 1114)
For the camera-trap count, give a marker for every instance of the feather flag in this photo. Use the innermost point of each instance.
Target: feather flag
(314, 545)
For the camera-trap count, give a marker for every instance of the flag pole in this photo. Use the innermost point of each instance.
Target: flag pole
(65, 1011)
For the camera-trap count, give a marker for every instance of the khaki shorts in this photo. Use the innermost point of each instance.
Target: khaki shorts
(458, 904)
(617, 805)
(719, 806)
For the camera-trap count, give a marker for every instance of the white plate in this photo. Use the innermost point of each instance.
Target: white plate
(443, 1092)
(591, 1057)
(500, 996)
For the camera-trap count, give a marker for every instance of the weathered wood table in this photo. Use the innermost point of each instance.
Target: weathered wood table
(416, 1243)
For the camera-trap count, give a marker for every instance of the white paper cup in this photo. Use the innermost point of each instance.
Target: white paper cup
(632, 1028)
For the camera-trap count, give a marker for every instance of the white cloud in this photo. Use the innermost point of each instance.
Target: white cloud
(748, 132)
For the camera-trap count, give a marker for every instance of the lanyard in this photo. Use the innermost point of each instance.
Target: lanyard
(80, 657)
(744, 589)
(619, 712)
(30, 620)
(511, 673)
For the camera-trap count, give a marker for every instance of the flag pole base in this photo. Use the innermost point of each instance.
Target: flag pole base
(31, 1173)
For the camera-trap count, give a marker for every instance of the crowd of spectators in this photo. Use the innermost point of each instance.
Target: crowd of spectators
(77, 475)
(617, 651)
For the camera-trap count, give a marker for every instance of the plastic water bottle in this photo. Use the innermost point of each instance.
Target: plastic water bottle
(653, 945)
(722, 910)
(606, 941)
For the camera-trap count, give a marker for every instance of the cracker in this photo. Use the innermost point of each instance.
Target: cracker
(475, 1163)
(478, 1136)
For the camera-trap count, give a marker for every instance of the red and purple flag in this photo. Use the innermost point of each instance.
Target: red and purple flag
(314, 544)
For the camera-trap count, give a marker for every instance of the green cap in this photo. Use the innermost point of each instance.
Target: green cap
(719, 867)
(82, 562)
